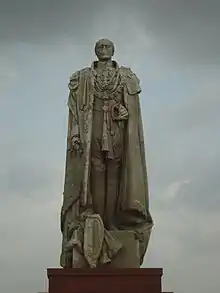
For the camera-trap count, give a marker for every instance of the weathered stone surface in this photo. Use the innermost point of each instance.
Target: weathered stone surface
(129, 255)
(106, 184)
(124, 259)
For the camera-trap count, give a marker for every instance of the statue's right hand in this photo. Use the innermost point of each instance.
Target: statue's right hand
(76, 143)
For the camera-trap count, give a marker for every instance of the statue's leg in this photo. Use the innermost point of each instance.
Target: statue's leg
(97, 178)
(113, 177)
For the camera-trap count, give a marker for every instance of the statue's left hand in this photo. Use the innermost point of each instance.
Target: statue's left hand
(119, 112)
(123, 113)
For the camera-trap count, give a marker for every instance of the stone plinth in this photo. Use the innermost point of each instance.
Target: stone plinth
(125, 259)
(104, 280)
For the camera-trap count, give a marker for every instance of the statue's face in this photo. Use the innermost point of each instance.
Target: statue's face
(104, 50)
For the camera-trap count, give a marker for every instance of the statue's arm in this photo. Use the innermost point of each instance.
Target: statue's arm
(134, 90)
(133, 83)
(73, 123)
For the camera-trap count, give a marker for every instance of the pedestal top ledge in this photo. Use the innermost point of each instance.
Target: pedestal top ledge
(147, 272)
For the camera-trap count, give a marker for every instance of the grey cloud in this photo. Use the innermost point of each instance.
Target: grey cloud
(188, 243)
(201, 241)
(28, 179)
(185, 147)
(30, 242)
(202, 194)
(185, 32)
(34, 21)
(201, 109)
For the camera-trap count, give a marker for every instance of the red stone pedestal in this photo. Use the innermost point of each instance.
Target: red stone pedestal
(104, 281)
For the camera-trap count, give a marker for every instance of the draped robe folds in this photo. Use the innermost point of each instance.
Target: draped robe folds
(132, 211)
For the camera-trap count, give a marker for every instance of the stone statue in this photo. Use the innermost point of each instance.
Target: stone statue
(105, 199)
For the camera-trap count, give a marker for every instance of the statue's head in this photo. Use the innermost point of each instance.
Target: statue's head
(104, 49)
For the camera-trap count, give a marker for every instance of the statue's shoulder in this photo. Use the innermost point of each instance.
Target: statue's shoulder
(77, 73)
(132, 81)
(127, 72)
(74, 78)
(84, 70)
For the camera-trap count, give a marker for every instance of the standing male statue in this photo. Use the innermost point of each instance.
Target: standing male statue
(106, 189)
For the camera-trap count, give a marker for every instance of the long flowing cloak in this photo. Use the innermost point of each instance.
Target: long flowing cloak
(133, 202)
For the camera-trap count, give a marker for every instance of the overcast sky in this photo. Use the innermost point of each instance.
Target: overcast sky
(173, 46)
